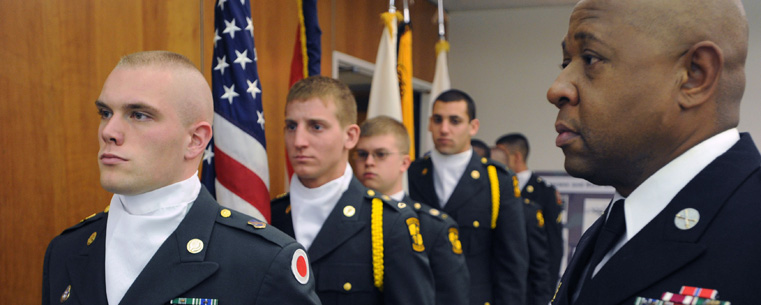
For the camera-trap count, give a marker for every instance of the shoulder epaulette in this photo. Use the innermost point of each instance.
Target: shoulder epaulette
(428, 210)
(89, 219)
(252, 225)
(388, 201)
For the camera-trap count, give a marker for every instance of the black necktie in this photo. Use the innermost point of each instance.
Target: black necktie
(612, 230)
(610, 234)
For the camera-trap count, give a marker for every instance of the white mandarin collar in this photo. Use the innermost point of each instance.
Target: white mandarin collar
(523, 178)
(170, 196)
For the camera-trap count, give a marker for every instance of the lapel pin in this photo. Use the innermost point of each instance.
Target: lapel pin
(687, 219)
(92, 238)
(402, 205)
(225, 213)
(530, 189)
(418, 205)
(435, 212)
(475, 174)
(425, 171)
(349, 211)
(484, 160)
(66, 294)
(195, 245)
(257, 224)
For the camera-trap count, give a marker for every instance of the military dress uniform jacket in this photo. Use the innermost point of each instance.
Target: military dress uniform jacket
(442, 244)
(539, 191)
(497, 258)
(719, 250)
(342, 258)
(539, 289)
(234, 263)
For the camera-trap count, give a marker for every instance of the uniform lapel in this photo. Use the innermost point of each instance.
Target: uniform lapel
(575, 269)
(661, 249)
(281, 217)
(469, 185)
(421, 183)
(88, 269)
(338, 228)
(173, 270)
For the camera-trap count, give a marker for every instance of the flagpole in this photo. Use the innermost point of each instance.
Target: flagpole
(406, 11)
(391, 7)
(441, 20)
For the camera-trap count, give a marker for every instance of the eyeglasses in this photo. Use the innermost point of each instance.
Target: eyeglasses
(378, 155)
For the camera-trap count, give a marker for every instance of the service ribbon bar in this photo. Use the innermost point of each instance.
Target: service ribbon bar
(194, 301)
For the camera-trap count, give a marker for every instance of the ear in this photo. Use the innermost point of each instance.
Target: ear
(474, 125)
(199, 138)
(352, 136)
(406, 161)
(703, 68)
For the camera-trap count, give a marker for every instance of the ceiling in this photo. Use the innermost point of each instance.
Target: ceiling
(470, 5)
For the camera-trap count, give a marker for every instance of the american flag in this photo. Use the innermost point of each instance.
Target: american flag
(235, 167)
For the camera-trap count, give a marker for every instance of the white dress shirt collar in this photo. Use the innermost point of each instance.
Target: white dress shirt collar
(447, 170)
(523, 178)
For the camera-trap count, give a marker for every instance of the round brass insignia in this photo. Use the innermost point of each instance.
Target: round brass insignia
(92, 238)
(225, 213)
(476, 224)
(195, 245)
(475, 174)
(530, 189)
(484, 160)
(435, 212)
(370, 192)
(402, 205)
(347, 286)
(349, 211)
(526, 200)
(418, 206)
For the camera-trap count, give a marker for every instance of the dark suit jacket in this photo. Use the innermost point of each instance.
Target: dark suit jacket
(450, 272)
(721, 252)
(238, 264)
(497, 258)
(546, 197)
(341, 252)
(539, 289)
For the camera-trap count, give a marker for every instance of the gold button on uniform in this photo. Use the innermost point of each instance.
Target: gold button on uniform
(385, 197)
(435, 212)
(526, 200)
(349, 211)
(530, 189)
(92, 238)
(425, 171)
(402, 205)
(476, 224)
(195, 245)
(225, 213)
(475, 174)
(483, 160)
(487, 303)
(371, 192)
(418, 206)
(347, 286)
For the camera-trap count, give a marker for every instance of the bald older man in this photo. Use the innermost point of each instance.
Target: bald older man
(648, 101)
(164, 239)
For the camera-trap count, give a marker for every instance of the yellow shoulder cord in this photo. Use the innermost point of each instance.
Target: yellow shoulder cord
(376, 230)
(494, 195)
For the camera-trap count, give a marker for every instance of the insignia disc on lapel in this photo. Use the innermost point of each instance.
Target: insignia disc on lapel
(475, 174)
(195, 245)
(687, 219)
(349, 211)
(66, 294)
(300, 266)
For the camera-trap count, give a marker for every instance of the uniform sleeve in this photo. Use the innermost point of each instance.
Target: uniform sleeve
(450, 272)
(289, 280)
(46, 275)
(539, 283)
(510, 251)
(408, 278)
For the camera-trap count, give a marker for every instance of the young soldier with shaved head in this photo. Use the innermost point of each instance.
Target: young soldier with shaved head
(164, 239)
(365, 247)
(649, 102)
(381, 160)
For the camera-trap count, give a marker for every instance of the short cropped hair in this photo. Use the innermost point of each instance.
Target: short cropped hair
(383, 125)
(515, 141)
(454, 95)
(478, 144)
(325, 88)
(156, 58)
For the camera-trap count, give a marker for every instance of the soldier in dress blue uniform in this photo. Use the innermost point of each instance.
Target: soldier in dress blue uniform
(649, 103)
(536, 189)
(481, 196)
(381, 160)
(365, 247)
(164, 239)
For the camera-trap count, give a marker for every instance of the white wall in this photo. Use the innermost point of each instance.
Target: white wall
(506, 59)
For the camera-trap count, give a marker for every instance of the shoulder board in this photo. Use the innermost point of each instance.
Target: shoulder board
(500, 167)
(281, 197)
(424, 209)
(371, 194)
(252, 225)
(87, 220)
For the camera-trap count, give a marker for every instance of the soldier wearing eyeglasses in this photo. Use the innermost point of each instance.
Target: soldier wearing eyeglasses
(481, 195)
(365, 248)
(380, 161)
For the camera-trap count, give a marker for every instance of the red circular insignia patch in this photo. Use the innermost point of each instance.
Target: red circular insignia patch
(300, 266)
